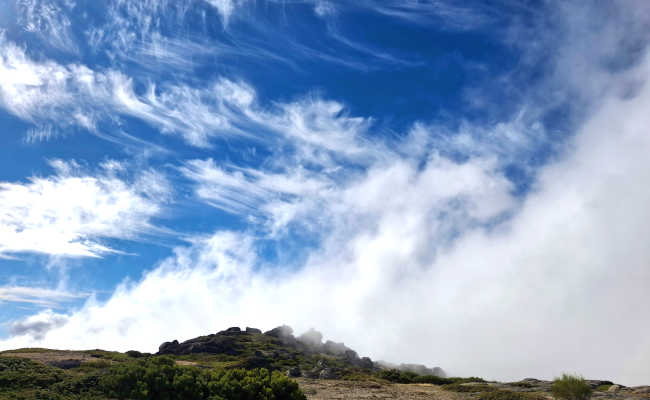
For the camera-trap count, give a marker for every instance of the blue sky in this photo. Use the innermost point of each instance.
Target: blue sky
(393, 173)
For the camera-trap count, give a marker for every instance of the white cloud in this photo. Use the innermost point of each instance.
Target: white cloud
(35, 295)
(53, 95)
(324, 8)
(48, 19)
(226, 8)
(38, 325)
(447, 14)
(68, 214)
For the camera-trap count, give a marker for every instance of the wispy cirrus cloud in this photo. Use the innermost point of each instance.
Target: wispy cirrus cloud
(448, 14)
(52, 95)
(70, 212)
(49, 20)
(37, 296)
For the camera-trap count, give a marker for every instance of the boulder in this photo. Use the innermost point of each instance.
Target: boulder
(365, 363)
(280, 332)
(213, 344)
(334, 348)
(169, 347)
(594, 383)
(235, 330)
(253, 331)
(614, 388)
(327, 373)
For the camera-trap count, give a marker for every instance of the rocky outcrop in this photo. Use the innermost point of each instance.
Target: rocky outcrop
(422, 370)
(278, 348)
(418, 369)
(221, 343)
(280, 332)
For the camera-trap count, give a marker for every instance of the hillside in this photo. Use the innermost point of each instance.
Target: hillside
(249, 364)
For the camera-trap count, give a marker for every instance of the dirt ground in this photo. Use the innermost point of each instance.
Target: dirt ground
(336, 389)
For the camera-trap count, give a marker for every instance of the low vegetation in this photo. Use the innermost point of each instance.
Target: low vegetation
(571, 387)
(509, 395)
(462, 388)
(143, 378)
(397, 376)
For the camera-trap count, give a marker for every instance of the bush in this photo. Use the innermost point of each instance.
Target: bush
(18, 373)
(160, 379)
(397, 376)
(570, 387)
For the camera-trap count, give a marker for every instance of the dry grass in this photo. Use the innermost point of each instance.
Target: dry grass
(340, 389)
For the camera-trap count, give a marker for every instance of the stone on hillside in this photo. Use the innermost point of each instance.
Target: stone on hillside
(235, 330)
(594, 383)
(280, 332)
(641, 390)
(253, 331)
(169, 347)
(334, 348)
(327, 373)
(350, 355)
(366, 363)
(213, 344)
(614, 388)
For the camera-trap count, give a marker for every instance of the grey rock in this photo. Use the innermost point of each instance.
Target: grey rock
(169, 347)
(327, 373)
(235, 330)
(641, 389)
(366, 363)
(223, 343)
(280, 332)
(253, 331)
(614, 388)
(334, 348)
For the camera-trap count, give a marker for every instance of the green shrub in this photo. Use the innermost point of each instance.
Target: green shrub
(159, 378)
(397, 376)
(135, 354)
(22, 373)
(570, 387)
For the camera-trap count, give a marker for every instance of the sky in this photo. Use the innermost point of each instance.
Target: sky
(462, 185)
